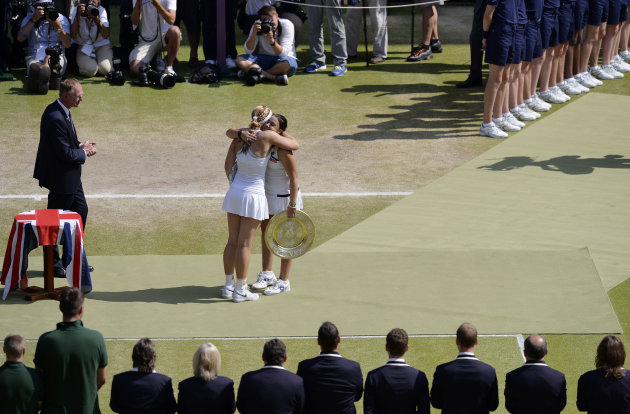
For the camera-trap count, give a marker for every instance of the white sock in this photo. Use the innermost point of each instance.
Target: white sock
(495, 120)
(241, 283)
(229, 278)
(169, 69)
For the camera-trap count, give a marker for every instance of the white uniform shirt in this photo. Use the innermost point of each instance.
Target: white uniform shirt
(88, 30)
(149, 19)
(286, 40)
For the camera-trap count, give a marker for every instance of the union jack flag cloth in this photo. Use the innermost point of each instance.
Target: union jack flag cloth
(41, 228)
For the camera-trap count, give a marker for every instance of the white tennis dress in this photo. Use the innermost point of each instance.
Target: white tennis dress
(278, 185)
(246, 196)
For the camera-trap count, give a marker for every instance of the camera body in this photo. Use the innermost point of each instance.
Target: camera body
(49, 9)
(91, 9)
(147, 76)
(115, 77)
(266, 26)
(54, 52)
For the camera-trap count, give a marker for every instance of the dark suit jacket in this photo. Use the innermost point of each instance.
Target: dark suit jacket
(396, 388)
(599, 395)
(270, 390)
(197, 396)
(141, 392)
(331, 384)
(535, 388)
(465, 386)
(59, 158)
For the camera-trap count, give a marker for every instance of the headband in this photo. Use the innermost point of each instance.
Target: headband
(264, 121)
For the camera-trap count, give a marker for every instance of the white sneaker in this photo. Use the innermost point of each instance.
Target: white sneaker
(549, 97)
(584, 80)
(491, 130)
(228, 290)
(577, 85)
(567, 88)
(608, 69)
(625, 55)
(524, 108)
(278, 287)
(522, 114)
(593, 79)
(505, 125)
(509, 117)
(599, 73)
(229, 63)
(558, 92)
(537, 104)
(264, 279)
(619, 65)
(243, 294)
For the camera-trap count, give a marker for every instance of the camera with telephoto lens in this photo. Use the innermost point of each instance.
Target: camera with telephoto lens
(147, 76)
(266, 26)
(54, 52)
(115, 77)
(49, 9)
(91, 9)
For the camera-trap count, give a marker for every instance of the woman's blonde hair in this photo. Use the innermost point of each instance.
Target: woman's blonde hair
(207, 362)
(260, 116)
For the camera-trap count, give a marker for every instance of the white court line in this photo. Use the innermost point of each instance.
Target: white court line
(193, 338)
(38, 197)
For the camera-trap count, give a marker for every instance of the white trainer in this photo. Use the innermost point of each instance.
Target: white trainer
(593, 79)
(568, 88)
(598, 72)
(558, 92)
(278, 287)
(549, 97)
(619, 65)
(265, 278)
(625, 55)
(491, 130)
(505, 125)
(612, 72)
(243, 294)
(228, 290)
(524, 108)
(509, 117)
(523, 113)
(537, 104)
(577, 85)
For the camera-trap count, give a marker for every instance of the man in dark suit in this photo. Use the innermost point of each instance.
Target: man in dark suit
(465, 385)
(60, 156)
(535, 387)
(396, 387)
(271, 389)
(142, 390)
(476, 54)
(331, 383)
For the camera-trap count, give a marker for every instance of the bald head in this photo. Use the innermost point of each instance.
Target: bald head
(535, 348)
(466, 337)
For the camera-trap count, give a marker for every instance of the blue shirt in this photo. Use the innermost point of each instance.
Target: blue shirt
(509, 11)
(534, 9)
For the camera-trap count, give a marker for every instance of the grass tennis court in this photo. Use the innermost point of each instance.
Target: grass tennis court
(396, 127)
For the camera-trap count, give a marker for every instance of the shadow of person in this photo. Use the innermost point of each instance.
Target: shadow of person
(170, 295)
(567, 164)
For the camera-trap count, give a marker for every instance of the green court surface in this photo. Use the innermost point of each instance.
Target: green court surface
(527, 237)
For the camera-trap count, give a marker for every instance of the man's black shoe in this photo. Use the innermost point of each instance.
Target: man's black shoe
(436, 46)
(91, 268)
(60, 272)
(472, 81)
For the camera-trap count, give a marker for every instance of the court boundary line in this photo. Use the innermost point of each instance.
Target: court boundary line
(39, 197)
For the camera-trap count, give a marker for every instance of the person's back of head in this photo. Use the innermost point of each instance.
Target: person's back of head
(143, 355)
(535, 347)
(71, 303)
(274, 352)
(611, 356)
(14, 347)
(397, 342)
(328, 336)
(207, 362)
(466, 336)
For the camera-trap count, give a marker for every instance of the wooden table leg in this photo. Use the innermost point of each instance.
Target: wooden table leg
(34, 293)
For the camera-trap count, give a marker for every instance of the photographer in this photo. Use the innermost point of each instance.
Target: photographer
(157, 32)
(48, 34)
(90, 30)
(270, 49)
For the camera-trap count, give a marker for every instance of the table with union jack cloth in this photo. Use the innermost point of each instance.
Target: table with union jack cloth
(46, 228)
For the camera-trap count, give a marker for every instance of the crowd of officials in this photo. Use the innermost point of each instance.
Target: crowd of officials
(71, 362)
(48, 35)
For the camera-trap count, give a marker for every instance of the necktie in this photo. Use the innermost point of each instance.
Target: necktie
(72, 123)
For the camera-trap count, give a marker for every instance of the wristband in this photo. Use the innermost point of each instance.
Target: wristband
(273, 44)
(485, 34)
